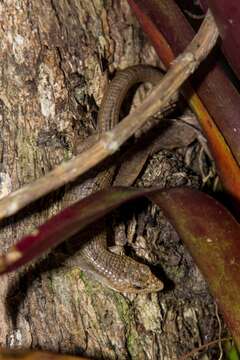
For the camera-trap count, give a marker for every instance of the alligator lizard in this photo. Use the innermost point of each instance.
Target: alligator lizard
(118, 272)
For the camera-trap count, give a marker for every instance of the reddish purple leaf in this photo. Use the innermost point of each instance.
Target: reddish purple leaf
(210, 232)
(227, 16)
(164, 22)
(35, 355)
(62, 226)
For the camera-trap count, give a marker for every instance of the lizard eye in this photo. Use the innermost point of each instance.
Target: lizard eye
(145, 271)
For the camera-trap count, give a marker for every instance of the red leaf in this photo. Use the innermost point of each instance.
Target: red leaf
(227, 16)
(161, 21)
(210, 232)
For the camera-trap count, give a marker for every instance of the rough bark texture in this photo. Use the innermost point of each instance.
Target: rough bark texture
(54, 59)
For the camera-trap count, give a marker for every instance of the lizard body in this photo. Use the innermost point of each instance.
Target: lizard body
(118, 271)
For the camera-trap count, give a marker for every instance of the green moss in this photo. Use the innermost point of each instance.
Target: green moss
(89, 288)
(50, 284)
(123, 309)
(126, 315)
(133, 344)
(67, 155)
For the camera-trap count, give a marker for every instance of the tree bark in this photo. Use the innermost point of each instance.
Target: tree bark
(55, 60)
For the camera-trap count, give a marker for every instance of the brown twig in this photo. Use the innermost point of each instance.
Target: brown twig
(183, 66)
(202, 347)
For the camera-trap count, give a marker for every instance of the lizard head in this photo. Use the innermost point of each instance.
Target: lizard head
(137, 278)
(143, 280)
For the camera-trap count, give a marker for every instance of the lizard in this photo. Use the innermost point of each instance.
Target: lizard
(118, 272)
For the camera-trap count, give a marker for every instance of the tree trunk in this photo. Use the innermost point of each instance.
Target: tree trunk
(55, 60)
